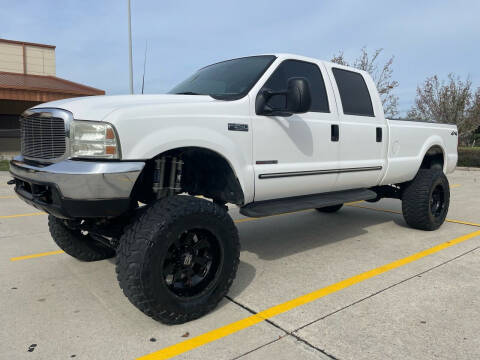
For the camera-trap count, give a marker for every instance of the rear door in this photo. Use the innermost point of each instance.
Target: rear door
(363, 132)
(291, 153)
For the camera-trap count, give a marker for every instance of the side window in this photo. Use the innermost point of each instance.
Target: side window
(294, 68)
(353, 93)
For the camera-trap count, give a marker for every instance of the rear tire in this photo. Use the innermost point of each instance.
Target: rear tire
(75, 243)
(330, 209)
(179, 259)
(426, 199)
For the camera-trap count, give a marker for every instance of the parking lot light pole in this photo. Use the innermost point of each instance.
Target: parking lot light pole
(130, 46)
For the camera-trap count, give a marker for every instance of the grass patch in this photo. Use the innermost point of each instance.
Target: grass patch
(4, 165)
(469, 156)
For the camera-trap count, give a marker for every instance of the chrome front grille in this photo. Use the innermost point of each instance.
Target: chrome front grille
(43, 137)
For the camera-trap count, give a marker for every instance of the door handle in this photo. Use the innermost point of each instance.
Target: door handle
(335, 133)
(379, 134)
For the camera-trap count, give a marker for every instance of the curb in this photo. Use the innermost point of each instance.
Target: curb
(468, 168)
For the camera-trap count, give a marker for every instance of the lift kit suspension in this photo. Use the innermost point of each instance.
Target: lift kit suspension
(167, 176)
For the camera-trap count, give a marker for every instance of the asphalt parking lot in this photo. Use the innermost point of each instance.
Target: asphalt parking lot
(357, 284)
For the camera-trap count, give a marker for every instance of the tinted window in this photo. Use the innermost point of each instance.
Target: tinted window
(353, 92)
(293, 68)
(229, 79)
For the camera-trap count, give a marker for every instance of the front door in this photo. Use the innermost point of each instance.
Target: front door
(292, 154)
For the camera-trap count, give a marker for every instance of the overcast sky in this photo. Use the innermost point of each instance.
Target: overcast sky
(426, 37)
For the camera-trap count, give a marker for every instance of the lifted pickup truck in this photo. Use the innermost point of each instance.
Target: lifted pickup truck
(270, 134)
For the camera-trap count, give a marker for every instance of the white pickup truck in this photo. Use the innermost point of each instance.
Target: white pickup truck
(270, 134)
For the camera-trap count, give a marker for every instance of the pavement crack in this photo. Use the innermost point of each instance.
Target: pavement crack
(257, 348)
(253, 312)
(298, 338)
(287, 333)
(387, 288)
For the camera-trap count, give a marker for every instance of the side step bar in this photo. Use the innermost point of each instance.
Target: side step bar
(297, 203)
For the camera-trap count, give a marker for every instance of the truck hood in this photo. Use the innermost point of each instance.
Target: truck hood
(98, 107)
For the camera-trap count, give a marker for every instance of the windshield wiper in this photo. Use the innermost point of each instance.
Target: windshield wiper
(226, 96)
(188, 93)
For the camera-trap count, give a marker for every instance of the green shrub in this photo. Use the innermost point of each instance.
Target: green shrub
(469, 156)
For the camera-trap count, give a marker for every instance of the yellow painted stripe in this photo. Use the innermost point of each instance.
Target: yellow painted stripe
(398, 212)
(7, 197)
(354, 202)
(462, 222)
(21, 215)
(61, 252)
(37, 255)
(455, 185)
(236, 326)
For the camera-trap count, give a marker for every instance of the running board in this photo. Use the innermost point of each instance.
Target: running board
(297, 203)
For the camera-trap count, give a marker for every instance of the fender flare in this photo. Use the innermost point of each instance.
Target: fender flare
(432, 142)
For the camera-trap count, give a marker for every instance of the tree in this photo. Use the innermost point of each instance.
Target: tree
(450, 102)
(381, 74)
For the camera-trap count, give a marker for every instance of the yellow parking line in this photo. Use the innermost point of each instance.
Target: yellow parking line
(455, 185)
(352, 204)
(61, 252)
(398, 212)
(7, 197)
(462, 222)
(195, 342)
(21, 215)
(37, 255)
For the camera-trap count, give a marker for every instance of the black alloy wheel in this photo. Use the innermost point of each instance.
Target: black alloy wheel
(425, 200)
(437, 201)
(192, 262)
(178, 259)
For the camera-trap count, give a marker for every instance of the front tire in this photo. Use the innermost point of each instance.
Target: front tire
(75, 243)
(330, 209)
(179, 259)
(426, 199)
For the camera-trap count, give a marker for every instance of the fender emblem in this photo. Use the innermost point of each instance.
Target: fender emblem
(237, 127)
(454, 133)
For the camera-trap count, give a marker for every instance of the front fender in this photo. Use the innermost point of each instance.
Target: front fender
(164, 139)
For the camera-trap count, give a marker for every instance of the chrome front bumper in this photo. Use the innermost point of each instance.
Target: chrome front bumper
(76, 188)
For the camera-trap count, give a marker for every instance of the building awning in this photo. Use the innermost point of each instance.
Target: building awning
(27, 87)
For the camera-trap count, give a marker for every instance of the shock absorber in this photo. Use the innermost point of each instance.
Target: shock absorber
(167, 176)
(158, 177)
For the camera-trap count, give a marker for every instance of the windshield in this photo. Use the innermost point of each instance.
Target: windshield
(228, 80)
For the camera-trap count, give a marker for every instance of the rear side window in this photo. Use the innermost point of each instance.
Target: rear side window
(353, 93)
(294, 68)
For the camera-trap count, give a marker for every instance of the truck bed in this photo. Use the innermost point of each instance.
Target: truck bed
(409, 140)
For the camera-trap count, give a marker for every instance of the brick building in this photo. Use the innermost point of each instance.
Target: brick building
(27, 78)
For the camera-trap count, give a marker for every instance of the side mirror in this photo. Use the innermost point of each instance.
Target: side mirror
(297, 99)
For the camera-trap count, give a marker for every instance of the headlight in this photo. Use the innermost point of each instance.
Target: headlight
(91, 139)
